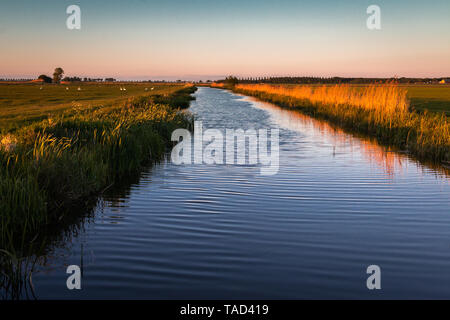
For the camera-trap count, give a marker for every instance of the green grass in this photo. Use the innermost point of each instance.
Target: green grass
(434, 98)
(50, 163)
(22, 104)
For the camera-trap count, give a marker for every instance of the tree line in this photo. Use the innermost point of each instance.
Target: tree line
(232, 80)
(58, 76)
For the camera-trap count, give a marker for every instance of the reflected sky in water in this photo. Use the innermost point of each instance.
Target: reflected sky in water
(337, 205)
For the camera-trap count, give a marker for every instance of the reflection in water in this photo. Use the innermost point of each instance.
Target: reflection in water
(387, 158)
(16, 276)
(19, 262)
(337, 205)
(44, 254)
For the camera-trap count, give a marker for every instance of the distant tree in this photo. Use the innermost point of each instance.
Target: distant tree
(72, 79)
(46, 79)
(231, 81)
(57, 75)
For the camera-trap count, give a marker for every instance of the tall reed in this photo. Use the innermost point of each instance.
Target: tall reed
(384, 98)
(380, 110)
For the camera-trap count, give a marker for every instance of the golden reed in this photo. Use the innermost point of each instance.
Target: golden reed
(381, 111)
(384, 98)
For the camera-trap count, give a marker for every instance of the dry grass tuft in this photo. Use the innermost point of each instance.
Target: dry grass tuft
(8, 143)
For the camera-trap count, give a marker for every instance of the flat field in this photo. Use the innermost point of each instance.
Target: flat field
(434, 98)
(22, 104)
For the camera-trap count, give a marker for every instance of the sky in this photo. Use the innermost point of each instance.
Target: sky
(209, 39)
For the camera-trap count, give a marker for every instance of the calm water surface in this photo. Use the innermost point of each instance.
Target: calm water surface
(337, 205)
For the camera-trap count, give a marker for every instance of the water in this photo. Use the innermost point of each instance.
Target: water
(337, 205)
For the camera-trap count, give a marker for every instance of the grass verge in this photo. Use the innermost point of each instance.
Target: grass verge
(53, 164)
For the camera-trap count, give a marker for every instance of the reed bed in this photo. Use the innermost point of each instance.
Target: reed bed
(383, 99)
(54, 164)
(380, 110)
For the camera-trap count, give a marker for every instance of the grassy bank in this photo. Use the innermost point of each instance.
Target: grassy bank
(53, 164)
(178, 99)
(380, 111)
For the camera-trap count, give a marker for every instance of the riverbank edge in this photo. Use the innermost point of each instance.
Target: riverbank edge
(31, 192)
(403, 139)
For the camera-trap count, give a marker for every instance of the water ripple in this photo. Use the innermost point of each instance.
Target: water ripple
(337, 205)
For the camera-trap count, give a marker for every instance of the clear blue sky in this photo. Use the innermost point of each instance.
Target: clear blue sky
(139, 39)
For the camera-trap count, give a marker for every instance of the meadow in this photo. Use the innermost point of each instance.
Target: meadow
(395, 115)
(22, 104)
(59, 147)
(435, 98)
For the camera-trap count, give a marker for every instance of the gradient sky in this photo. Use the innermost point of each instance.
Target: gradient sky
(202, 39)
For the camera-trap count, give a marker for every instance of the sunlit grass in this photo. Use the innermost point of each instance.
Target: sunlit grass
(382, 99)
(22, 104)
(381, 110)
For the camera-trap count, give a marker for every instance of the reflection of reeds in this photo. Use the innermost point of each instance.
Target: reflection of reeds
(369, 149)
(383, 157)
(378, 110)
(16, 276)
(340, 140)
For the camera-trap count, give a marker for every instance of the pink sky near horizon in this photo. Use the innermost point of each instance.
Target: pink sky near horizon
(129, 45)
(147, 64)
